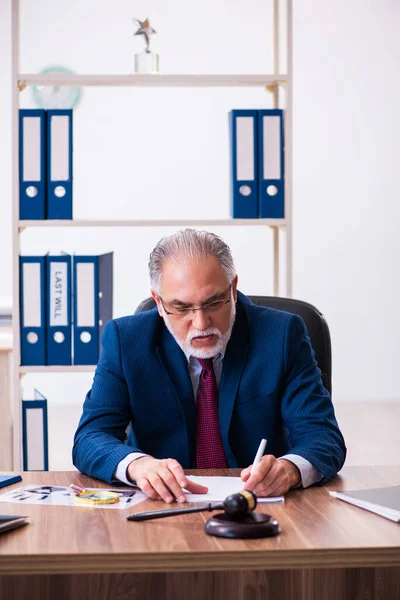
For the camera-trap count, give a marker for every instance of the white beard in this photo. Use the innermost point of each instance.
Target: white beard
(218, 348)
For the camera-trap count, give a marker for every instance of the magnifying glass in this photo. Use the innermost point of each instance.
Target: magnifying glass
(85, 496)
(88, 497)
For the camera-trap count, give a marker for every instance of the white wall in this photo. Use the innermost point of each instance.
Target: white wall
(164, 153)
(346, 185)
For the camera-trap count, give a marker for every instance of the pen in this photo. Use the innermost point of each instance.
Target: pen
(259, 454)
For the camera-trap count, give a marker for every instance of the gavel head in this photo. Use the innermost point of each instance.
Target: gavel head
(241, 504)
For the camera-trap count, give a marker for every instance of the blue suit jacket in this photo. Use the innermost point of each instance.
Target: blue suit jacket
(270, 388)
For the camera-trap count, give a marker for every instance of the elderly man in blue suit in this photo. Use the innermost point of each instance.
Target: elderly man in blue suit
(201, 379)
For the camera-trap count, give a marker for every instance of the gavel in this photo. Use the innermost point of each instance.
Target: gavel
(236, 506)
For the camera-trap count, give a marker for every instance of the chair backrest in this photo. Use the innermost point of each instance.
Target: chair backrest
(315, 322)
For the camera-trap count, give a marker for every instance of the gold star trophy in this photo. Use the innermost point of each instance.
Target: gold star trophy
(146, 61)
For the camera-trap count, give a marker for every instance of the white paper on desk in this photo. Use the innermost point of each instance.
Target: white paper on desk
(221, 487)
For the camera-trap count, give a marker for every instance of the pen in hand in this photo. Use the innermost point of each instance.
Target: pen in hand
(259, 455)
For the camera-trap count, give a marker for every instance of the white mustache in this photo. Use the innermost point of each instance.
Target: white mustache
(204, 333)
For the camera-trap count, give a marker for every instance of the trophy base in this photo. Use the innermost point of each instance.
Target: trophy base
(147, 62)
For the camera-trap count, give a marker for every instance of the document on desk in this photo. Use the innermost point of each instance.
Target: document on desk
(60, 495)
(221, 487)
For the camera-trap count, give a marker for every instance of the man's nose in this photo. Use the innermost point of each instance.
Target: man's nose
(201, 319)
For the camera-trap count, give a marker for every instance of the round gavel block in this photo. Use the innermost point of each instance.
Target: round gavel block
(253, 525)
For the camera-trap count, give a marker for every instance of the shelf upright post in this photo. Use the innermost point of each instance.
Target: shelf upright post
(288, 147)
(276, 51)
(275, 92)
(288, 152)
(15, 383)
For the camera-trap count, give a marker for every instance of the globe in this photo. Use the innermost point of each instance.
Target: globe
(56, 96)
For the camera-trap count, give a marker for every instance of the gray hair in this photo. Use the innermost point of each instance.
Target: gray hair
(191, 244)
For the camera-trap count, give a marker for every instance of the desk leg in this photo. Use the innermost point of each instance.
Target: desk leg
(332, 584)
(5, 412)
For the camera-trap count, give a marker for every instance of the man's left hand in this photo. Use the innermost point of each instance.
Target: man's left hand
(271, 477)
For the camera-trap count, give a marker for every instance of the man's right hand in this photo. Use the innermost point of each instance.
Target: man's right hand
(162, 479)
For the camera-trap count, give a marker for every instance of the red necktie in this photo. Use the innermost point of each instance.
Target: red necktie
(209, 449)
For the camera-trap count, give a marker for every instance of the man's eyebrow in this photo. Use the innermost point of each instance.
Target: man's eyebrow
(212, 298)
(179, 303)
(215, 297)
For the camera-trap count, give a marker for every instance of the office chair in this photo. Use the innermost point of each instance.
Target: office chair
(315, 322)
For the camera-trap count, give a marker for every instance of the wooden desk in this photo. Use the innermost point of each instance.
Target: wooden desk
(327, 549)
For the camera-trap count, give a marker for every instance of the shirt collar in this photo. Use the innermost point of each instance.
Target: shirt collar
(192, 360)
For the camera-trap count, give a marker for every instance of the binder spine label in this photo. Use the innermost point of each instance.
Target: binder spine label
(58, 294)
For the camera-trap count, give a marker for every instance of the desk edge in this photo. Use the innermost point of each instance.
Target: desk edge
(43, 564)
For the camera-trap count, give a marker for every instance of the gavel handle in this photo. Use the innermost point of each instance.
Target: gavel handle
(159, 514)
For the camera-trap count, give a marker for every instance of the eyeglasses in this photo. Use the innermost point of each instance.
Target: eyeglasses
(209, 308)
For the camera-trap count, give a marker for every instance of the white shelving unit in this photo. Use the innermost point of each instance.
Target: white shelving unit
(271, 82)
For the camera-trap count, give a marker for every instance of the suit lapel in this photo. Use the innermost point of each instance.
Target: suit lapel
(175, 366)
(233, 364)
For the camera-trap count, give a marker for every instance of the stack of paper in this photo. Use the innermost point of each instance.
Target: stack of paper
(382, 501)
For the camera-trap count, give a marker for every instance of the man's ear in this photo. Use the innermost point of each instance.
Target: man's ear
(234, 288)
(158, 302)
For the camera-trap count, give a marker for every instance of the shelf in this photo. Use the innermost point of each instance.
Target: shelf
(153, 223)
(151, 80)
(58, 369)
